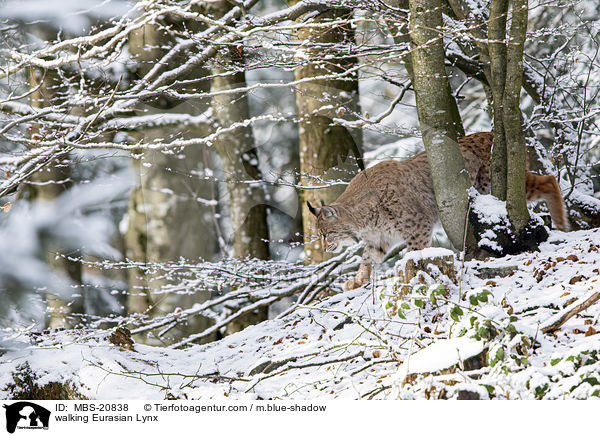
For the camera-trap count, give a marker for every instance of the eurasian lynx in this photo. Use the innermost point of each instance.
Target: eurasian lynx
(394, 201)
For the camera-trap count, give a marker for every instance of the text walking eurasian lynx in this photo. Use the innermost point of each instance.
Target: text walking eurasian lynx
(394, 201)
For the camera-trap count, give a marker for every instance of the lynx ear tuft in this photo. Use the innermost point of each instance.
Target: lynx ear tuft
(316, 211)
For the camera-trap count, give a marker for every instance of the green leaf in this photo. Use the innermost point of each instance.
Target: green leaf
(540, 391)
(419, 303)
(405, 306)
(555, 361)
(591, 380)
(440, 290)
(455, 312)
(489, 388)
(484, 332)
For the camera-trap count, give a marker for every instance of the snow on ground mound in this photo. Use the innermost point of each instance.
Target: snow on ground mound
(482, 336)
(440, 355)
(420, 255)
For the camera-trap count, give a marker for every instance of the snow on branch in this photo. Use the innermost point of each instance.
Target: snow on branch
(254, 284)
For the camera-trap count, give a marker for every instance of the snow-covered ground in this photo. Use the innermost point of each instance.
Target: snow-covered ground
(480, 336)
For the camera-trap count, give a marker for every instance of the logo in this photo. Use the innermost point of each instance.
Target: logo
(26, 415)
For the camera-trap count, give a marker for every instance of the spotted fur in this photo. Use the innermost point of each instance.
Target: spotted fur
(394, 201)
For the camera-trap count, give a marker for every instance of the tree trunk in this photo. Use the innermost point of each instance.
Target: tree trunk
(474, 19)
(497, 50)
(515, 139)
(239, 158)
(47, 185)
(168, 216)
(450, 178)
(328, 152)
(516, 232)
(401, 36)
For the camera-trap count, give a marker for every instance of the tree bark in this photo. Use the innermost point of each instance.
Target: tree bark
(401, 36)
(474, 19)
(47, 185)
(328, 152)
(497, 50)
(450, 178)
(239, 155)
(515, 139)
(239, 158)
(168, 217)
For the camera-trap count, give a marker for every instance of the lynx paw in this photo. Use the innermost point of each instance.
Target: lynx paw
(352, 284)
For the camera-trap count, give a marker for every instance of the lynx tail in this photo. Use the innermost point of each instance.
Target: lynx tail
(546, 188)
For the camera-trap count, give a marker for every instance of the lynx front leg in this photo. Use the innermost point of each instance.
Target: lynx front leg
(372, 254)
(362, 277)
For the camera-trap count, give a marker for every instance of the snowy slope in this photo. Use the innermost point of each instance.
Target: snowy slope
(482, 336)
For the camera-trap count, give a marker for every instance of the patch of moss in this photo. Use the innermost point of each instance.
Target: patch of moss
(25, 387)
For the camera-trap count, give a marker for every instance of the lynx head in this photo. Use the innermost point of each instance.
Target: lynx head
(332, 228)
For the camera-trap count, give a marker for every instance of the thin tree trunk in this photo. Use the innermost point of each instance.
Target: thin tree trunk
(328, 152)
(515, 138)
(474, 20)
(47, 185)
(239, 155)
(450, 178)
(497, 50)
(240, 165)
(239, 158)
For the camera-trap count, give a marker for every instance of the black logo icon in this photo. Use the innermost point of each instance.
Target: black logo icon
(26, 415)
